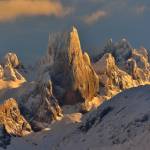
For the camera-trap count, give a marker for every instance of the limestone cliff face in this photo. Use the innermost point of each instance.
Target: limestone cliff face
(14, 123)
(72, 73)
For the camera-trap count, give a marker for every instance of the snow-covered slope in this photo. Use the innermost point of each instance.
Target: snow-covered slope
(120, 124)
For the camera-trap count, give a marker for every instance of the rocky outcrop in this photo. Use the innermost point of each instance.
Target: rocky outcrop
(121, 67)
(12, 120)
(9, 68)
(11, 73)
(138, 65)
(72, 74)
(40, 106)
(1, 72)
(122, 51)
(49, 104)
(11, 58)
(112, 79)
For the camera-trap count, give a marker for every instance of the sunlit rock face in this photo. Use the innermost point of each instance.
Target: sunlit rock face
(112, 79)
(122, 51)
(12, 120)
(40, 106)
(36, 100)
(11, 58)
(9, 68)
(11, 73)
(138, 65)
(1, 72)
(121, 67)
(72, 74)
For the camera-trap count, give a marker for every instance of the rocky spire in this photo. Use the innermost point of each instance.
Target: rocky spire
(74, 47)
(41, 105)
(49, 104)
(71, 72)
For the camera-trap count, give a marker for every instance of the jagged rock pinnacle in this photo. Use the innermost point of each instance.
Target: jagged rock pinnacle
(71, 72)
(74, 38)
(74, 29)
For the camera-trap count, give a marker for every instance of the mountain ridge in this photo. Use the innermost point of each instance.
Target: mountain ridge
(65, 78)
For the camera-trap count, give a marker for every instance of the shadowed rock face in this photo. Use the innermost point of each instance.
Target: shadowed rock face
(13, 122)
(49, 108)
(5, 138)
(40, 106)
(71, 72)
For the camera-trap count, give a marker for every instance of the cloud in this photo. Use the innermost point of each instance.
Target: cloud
(140, 9)
(11, 9)
(94, 17)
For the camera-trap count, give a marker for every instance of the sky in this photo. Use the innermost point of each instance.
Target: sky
(26, 24)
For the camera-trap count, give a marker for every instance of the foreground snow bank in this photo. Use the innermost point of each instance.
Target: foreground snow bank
(120, 124)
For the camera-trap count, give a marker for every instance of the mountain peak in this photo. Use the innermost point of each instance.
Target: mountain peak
(74, 29)
(11, 58)
(74, 37)
(74, 41)
(9, 69)
(71, 80)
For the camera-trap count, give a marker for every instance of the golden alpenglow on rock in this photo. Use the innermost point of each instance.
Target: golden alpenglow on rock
(121, 67)
(14, 123)
(71, 71)
(62, 87)
(67, 95)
